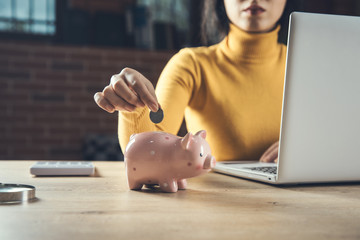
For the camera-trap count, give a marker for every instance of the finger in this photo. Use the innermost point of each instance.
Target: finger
(147, 97)
(117, 101)
(137, 82)
(103, 103)
(276, 160)
(151, 90)
(122, 90)
(265, 156)
(272, 156)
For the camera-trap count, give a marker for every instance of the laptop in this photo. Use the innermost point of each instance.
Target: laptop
(320, 123)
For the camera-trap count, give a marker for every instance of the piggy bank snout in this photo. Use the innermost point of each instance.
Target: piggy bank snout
(209, 162)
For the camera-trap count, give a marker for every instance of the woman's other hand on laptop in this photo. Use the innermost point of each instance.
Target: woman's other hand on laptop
(271, 154)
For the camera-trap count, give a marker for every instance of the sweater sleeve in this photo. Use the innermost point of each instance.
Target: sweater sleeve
(173, 90)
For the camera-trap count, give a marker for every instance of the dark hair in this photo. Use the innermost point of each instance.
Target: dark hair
(215, 23)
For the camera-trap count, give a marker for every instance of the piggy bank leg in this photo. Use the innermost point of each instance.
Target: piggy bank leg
(182, 184)
(134, 185)
(168, 185)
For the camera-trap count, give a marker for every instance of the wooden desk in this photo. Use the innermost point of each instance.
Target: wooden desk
(214, 207)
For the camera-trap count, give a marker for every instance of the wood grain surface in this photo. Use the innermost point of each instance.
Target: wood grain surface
(214, 206)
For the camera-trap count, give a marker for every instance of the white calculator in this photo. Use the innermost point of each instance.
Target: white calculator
(62, 168)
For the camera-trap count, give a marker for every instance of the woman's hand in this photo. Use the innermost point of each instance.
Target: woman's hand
(271, 154)
(127, 90)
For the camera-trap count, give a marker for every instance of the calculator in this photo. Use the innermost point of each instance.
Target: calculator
(62, 168)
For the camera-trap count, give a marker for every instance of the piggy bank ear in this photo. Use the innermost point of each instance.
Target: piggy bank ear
(132, 136)
(186, 141)
(201, 133)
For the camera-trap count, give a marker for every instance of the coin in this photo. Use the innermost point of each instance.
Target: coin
(157, 117)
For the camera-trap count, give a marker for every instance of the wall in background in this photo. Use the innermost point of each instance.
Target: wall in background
(143, 24)
(46, 96)
(46, 90)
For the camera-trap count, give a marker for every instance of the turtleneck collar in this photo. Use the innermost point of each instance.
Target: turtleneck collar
(241, 45)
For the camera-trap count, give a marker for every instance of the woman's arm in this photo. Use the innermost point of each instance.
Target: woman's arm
(132, 95)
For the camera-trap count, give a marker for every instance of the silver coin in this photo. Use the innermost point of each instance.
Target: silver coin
(157, 117)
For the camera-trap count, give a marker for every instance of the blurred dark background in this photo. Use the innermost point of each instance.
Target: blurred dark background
(55, 54)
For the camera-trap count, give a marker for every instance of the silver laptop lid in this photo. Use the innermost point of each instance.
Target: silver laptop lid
(320, 133)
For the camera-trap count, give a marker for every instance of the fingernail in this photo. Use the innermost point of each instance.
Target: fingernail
(129, 109)
(109, 108)
(154, 107)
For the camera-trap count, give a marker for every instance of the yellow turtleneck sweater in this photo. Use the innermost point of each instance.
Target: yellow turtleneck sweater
(233, 90)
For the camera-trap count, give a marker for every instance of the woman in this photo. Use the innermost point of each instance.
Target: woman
(232, 89)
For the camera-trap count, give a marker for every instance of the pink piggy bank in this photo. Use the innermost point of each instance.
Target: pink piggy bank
(159, 158)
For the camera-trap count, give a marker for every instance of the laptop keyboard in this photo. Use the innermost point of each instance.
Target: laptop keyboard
(271, 170)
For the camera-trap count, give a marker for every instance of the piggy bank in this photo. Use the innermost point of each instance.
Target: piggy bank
(159, 158)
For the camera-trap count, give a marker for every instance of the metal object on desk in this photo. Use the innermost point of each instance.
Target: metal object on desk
(16, 193)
